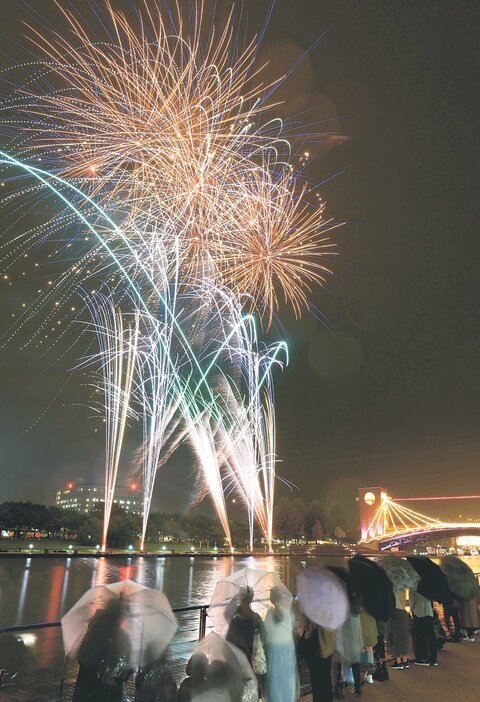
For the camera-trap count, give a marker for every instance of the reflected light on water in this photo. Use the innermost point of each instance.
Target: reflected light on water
(53, 613)
(142, 576)
(23, 593)
(101, 571)
(27, 639)
(159, 573)
(65, 585)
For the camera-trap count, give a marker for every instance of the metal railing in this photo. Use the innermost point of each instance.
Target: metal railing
(201, 609)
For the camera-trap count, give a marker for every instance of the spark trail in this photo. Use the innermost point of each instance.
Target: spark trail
(158, 148)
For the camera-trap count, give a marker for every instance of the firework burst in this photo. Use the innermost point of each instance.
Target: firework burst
(179, 214)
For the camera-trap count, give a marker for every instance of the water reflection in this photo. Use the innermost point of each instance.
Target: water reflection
(43, 589)
(142, 576)
(23, 592)
(159, 574)
(65, 584)
(190, 580)
(101, 571)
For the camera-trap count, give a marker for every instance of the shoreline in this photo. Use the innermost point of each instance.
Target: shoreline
(187, 554)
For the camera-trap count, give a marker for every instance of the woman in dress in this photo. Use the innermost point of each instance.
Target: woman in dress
(469, 616)
(400, 636)
(282, 677)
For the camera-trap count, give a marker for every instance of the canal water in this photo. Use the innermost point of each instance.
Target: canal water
(35, 590)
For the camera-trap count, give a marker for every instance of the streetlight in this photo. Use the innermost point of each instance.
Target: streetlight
(97, 547)
(130, 548)
(31, 546)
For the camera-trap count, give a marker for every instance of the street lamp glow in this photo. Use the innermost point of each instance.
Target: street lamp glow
(130, 548)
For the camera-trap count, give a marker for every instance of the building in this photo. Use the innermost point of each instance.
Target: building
(84, 497)
(370, 500)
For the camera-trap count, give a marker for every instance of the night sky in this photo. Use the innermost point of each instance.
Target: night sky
(385, 389)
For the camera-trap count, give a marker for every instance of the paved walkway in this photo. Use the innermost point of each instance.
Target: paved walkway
(457, 679)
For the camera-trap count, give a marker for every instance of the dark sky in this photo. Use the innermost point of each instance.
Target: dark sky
(386, 390)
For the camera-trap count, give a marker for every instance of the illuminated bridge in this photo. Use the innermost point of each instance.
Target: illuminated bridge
(385, 522)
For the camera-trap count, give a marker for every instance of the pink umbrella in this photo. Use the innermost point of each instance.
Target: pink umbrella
(323, 598)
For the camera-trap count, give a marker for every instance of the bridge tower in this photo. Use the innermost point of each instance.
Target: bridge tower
(370, 501)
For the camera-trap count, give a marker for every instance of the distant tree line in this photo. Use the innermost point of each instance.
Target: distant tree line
(86, 527)
(294, 520)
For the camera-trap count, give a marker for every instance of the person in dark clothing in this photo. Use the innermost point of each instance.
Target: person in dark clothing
(451, 613)
(155, 683)
(197, 668)
(316, 647)
(379, 652)
(102, 657)
(439, 631)
(424, 640)
(245, 624)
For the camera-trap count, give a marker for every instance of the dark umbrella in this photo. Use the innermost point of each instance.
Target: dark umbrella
(433, 581)
(461, 578)
(354, 596)
(374, 587)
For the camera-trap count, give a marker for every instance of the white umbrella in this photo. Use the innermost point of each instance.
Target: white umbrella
(144, 623)
(227, 594)
(323, 597)
(242, 680)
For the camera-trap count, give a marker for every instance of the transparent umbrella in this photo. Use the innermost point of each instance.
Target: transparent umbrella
(227, 594)
(323, 597)
(124, 622)
(242, 681)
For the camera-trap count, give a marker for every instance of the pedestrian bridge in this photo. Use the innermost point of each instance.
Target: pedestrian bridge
(388, 524)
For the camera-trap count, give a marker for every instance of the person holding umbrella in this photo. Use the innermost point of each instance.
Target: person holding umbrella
(246, 626)
(378, 600)
(463, 584)
(113, 630)
(102, 656)
(324, 602)
(469, 616)
(403, 576)
(424, 641)
(282, 676)
(433, 585)
(316, 647)
(241, 684)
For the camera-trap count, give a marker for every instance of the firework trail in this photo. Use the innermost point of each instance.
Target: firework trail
(155, 141)
(118, 355)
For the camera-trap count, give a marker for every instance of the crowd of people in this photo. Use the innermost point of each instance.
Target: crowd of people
(388, 627)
